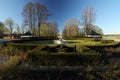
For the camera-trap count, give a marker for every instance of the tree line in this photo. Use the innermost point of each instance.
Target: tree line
(35, 20)
(72, 26)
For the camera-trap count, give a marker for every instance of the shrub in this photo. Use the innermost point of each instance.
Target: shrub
(22, 46)
(17, 48)
(82, 49)
(97, 39)
(112, 51)
(107, 41)
(1, 50)
(61, 59)
(42, 48)
(89, 72)
(9, 67)
(10, 50)
(101, 48)
(11, 63)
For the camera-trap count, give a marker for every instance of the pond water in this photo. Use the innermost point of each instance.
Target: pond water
(2, 42)
(3, 59)
(39, 42)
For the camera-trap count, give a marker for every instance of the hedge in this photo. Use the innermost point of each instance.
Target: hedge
(22, 46)
(61, 59)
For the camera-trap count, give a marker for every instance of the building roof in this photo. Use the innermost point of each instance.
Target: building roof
(27, 33)
(93, 33)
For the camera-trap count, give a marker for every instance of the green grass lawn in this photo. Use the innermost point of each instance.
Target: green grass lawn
(80, 41)
(88, 42)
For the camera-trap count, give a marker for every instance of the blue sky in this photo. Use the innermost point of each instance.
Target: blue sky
(107, 12)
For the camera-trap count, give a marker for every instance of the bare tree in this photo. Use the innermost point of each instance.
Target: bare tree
(10, 25)
(41, 13)
(49, 29)
(18, 29)
(71, 28)
(29, 15)
(98, 30)
(1, 28)
(88, 19)
(34, 14)
(53, 28)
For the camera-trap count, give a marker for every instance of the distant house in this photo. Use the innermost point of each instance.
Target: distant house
(1, 35)
(93, 34)
(8, 36)
(27, 35)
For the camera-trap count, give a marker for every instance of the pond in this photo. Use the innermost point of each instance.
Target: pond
(3, 42)
(39, 42)
(3, 59)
